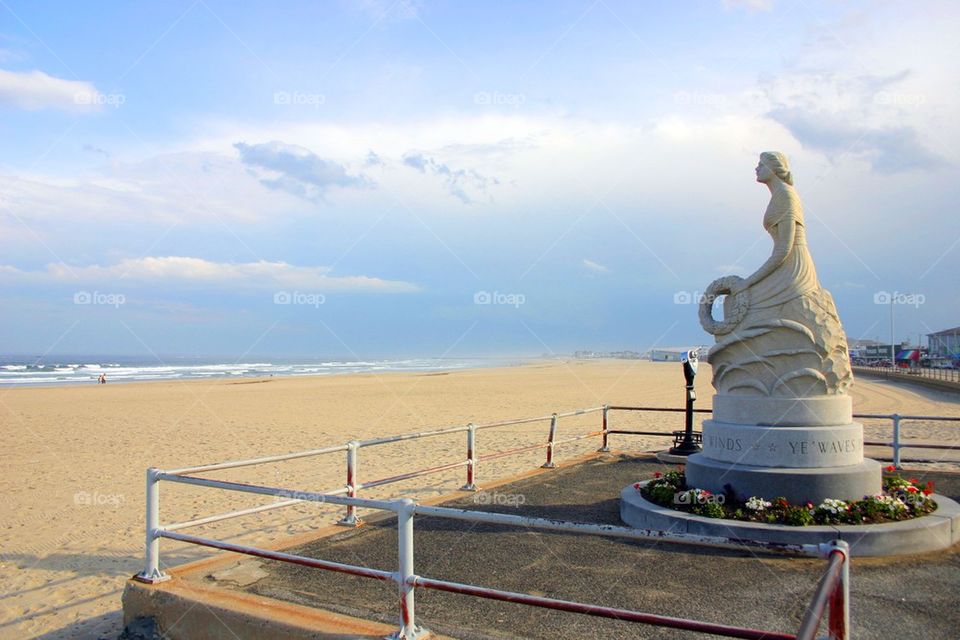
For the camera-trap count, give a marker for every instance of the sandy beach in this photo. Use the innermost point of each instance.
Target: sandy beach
(74, 459)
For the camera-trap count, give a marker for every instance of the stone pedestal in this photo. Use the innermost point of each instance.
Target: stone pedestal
(804, 449)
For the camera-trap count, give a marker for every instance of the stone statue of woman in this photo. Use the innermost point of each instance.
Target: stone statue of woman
(780, 336)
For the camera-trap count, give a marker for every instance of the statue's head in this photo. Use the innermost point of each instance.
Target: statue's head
(773, 164)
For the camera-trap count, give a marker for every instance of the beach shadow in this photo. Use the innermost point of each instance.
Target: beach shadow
(86, 564)
(106, 626)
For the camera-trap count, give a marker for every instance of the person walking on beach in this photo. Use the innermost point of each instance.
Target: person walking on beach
(102, 379)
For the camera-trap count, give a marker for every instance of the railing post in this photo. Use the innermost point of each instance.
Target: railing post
(405, 575)
(896, 440)
(605, 446)
(549, 464)
(351, 519)
(151, 568)
(838, 624)
(471, 459)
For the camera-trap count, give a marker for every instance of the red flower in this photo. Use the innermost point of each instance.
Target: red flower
(891, 468)
(705, 492)
(927, 492)
(930, 483)
(657, 474)
(912, 489)
(914, 480)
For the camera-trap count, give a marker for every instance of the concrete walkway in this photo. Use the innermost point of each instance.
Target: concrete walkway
(910, 597)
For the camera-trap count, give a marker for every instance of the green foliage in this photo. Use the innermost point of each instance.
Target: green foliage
(662, 494)
(675, 478)
(798, 517)
(710, 510)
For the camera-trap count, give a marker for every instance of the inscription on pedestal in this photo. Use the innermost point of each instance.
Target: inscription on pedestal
(833, 446)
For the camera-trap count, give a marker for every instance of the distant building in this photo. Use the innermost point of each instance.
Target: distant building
(620, 355)
(858, 348)
(665, 355)
(673, 354)
(877, 352)
(944, 344)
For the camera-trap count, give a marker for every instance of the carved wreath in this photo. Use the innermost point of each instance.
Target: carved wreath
(738, 308)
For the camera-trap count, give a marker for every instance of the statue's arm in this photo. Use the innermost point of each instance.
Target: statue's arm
(783, 244)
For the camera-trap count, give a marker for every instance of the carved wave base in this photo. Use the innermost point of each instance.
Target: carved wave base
(804, 449)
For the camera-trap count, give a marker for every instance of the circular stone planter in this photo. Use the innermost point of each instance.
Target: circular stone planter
(938, 530)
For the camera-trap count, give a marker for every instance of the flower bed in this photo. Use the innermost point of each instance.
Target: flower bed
(900, 499)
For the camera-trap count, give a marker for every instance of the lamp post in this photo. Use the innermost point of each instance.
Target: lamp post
(687, 446)
(893, 344)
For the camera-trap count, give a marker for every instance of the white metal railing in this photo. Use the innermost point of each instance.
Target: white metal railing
(896, 443)
(905, 373)
(346, 496)
(833, 588)
(353, 485)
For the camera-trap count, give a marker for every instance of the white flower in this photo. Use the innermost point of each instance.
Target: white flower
(833, 506)
(757, 504)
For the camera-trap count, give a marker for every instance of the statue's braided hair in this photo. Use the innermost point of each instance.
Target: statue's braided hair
(777, 162)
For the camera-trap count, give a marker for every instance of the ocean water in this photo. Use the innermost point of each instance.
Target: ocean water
(71, 370)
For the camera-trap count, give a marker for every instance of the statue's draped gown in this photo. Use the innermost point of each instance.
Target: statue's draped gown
(790, 342)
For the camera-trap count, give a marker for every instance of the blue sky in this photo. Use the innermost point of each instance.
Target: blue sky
(344, 178)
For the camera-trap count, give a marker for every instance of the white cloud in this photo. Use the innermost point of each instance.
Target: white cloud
(749, 5)
(10, 55)
(595, 267)
(197, 271)
(296, 169)
(181, 188)
(33, 90)
(862, 114)
(457, 180)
